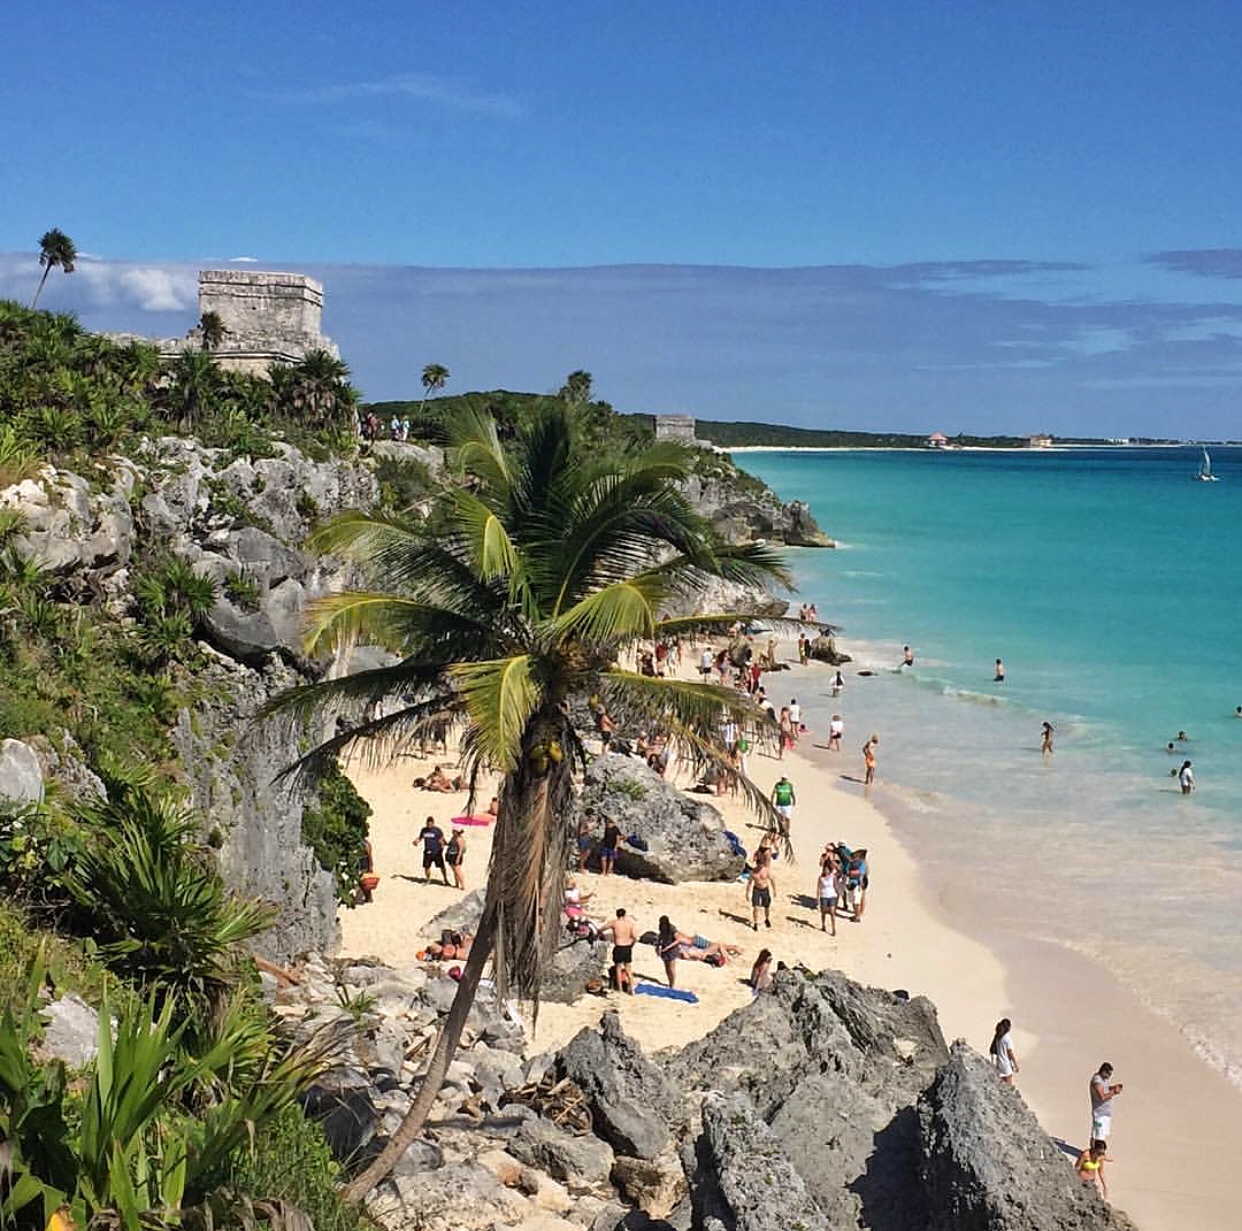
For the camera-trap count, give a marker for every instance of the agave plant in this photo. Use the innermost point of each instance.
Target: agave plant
(514, 603)
(154, 1124)
(156, 904)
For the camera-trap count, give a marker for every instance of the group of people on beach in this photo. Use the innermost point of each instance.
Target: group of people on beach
(1102, 1090)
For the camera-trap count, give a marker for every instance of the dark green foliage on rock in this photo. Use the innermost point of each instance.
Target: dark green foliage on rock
(335, 826)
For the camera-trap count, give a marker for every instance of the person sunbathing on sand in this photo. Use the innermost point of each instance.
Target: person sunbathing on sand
(672, 944)
(451, 945)
(438, 780)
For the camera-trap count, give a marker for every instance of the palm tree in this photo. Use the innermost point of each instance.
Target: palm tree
(195, 382)
(316, 389)
(505, 608)
(55, 249)
(577, 387)
(211, 329)
(435, 377)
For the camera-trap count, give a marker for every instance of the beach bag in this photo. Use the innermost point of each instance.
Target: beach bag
(637, 842)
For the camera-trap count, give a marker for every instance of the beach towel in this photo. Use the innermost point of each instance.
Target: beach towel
(666, 993)
(473, 820)
(735, 843)
(637, 841)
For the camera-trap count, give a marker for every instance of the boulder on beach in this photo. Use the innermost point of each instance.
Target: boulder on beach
(684, 837)
(824, 649)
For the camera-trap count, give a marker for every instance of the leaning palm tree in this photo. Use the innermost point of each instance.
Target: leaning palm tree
(435, 377)
(505, 609)
(56, 249)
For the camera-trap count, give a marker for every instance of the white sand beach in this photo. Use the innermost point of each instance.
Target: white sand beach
(1177, 1120)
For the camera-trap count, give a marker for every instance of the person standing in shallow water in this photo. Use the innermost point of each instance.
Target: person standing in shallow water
(869, 760)
(1046, 744)
(1186, 778)
(999, 677)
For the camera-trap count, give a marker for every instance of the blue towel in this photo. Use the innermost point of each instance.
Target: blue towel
(735, 843)
(667, 993)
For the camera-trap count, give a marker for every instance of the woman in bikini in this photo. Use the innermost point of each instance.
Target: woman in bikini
(1090, 1167)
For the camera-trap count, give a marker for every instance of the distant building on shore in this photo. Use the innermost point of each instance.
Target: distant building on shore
(1040, 441)
(675, 427)
(937, 440)
(267, 318)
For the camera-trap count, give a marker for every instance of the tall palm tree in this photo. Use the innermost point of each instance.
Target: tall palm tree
(315, 389)
(55, 249)
(195, 383)
(435, 377)
(511, 604)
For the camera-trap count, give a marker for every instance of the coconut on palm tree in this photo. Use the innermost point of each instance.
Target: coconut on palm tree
(509, 605)
(56, 250)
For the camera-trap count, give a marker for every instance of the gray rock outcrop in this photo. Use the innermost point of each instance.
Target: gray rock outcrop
(21, 775)
(684, 835)
(743, 510)
(824, 649)
(988, 1166)
(631, 1100)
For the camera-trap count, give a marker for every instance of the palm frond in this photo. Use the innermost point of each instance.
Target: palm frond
(401, 624)
(689, 713)
(500, 697)
(491, 549)
(623, 611)
(680, 626)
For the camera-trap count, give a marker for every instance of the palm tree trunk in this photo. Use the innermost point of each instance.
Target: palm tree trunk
(437, 1069)
(34, 303)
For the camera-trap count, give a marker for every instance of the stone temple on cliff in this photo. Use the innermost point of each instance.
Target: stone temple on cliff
(268, 318)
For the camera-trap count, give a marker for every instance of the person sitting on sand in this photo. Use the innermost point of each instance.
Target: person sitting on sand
(761, 972)
(438, 780)
(1089, 1167)
(575, 899)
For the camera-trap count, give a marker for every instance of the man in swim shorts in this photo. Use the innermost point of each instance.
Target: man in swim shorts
(1103, 1091)
(432, 838)
(760, 889)
(624, 937)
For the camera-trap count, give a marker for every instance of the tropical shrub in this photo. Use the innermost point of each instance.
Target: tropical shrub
(335, 827)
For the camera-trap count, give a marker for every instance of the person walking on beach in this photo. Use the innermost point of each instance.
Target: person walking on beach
(455, 857)
(432, 838)
(836, 729)
(869, 760)
(999, 677)
(785, 737)
(761, 887)
(783, 800)
(1089, 1167)
(1103, 1091)
(1001, 1051)
(1186, 778)
(1045, 746)
(624, 937)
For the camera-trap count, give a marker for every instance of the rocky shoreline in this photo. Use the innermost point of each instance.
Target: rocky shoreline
(822, 1104)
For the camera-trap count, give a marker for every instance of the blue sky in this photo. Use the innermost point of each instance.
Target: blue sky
(899, 215)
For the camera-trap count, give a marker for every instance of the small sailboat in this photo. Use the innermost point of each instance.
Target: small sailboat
(1205, 474)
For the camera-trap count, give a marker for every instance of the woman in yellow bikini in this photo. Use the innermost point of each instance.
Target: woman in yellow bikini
(1090, 1167)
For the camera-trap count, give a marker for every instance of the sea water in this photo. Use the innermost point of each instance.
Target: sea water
(1110, 583)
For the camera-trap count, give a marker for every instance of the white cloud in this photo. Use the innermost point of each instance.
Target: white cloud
(422, 87)
(159, 290)
(243, 260)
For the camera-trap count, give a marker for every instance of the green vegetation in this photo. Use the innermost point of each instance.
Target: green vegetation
(550, 550)
(335, 827)
(777, 435)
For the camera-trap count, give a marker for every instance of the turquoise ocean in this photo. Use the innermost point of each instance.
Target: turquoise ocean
(1110, 583)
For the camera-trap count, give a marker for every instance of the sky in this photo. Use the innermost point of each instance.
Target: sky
(959, 216)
